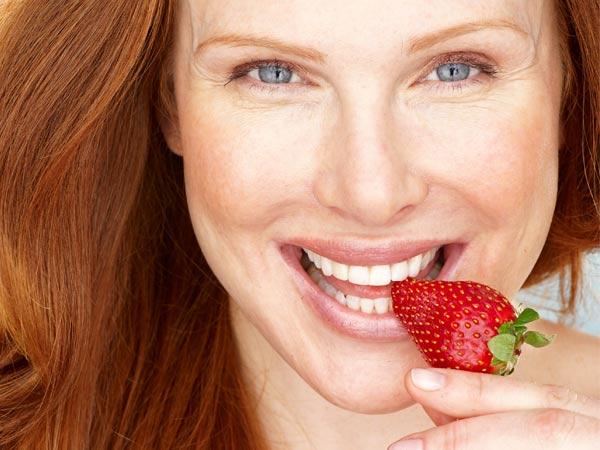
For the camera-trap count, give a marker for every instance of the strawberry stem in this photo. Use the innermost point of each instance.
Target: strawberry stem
(506, 345)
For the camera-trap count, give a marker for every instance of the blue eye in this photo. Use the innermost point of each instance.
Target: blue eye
(456, 72)
(274, 74)
(452, 72)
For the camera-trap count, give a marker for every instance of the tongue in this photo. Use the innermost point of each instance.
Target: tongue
(370, 291)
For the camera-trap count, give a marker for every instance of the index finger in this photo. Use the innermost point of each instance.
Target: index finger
(534, 430)
(466, 394)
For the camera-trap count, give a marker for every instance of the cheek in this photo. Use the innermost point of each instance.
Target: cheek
(242, 168)
(500, 157)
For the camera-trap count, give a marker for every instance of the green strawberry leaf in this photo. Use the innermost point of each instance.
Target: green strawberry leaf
(526, 316)
(496, 361)
(505, 327)
(502, 346)
(520, 328)
(538, 339)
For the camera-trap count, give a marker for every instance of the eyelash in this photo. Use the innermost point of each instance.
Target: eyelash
(471, 60)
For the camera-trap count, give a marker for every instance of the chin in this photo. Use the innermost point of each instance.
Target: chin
(366, 397)
(366, 385)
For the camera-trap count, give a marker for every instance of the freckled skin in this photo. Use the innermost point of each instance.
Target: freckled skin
(368, 151)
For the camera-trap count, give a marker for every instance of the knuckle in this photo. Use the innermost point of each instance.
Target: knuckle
(559, 396)
(480, 387)
(455, 436)
(476, 389)
(552, 426)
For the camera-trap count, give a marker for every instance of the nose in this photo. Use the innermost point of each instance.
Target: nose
(366, 172)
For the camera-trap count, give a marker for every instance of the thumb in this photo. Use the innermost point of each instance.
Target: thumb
(439, 418)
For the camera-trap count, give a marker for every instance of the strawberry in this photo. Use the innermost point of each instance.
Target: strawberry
(464, 325)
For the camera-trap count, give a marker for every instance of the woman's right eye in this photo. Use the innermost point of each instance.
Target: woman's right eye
(274, 74)
(454, 71)
(266, 74)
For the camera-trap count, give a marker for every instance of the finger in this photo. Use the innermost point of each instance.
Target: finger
(437, 417)
(533, 429)
(465, 394)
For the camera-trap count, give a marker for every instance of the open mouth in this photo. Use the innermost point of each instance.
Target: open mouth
(356, 301)
(364, 288)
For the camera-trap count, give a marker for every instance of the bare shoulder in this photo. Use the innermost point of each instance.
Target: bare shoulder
(573, 359)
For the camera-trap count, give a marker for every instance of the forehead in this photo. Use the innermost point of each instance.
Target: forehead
(353, 23)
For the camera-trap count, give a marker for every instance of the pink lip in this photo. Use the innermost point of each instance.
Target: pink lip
(355, 253)
(356, 324)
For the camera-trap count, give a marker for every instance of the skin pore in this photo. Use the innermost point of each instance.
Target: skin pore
(364, 143)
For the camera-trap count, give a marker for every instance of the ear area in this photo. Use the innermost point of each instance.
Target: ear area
(167, 113)
(170, 130)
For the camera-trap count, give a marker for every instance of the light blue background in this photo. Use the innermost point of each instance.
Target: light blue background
(545, 298)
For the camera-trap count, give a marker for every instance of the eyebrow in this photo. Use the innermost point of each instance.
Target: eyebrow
(311, 54)
(236, 40)
(430, 40)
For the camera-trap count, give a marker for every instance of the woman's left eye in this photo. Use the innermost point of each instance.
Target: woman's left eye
(273, 74)
(453, 71)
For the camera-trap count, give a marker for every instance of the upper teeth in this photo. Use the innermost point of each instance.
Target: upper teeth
(373, 275)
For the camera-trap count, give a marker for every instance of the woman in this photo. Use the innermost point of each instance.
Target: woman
(163, 163)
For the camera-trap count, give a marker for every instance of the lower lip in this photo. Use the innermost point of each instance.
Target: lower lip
(356, 324)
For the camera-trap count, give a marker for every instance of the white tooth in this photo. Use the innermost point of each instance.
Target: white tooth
(381, 305)
(312, 268)
(425, 258)
(311, 255)
(340, 271)
(322, 283)
(326, 267)
(414, 264)
(353, 302)
(317, 261)
(341, 298)
(390, 306)
(380, 275)
(358, 275)
(429, 256)
(366, 305)
(399, 271)
(314, 273)
(331, 291)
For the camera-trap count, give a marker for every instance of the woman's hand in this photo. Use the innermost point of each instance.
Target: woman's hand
(499, 413)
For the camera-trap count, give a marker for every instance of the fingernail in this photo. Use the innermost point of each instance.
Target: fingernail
(409, 444)
(428, 380)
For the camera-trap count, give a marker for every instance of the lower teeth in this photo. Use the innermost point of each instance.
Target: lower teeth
(381, 305)
(366, 305)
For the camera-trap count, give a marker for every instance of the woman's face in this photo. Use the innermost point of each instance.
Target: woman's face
(399, 127)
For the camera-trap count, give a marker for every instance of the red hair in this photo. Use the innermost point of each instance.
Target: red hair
(575, 227)
(114, 332)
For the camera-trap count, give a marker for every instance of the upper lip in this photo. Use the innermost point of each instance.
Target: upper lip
(356, 253)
